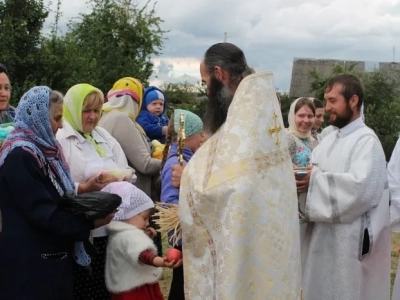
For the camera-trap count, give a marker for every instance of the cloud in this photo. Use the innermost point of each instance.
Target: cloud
(272, 33)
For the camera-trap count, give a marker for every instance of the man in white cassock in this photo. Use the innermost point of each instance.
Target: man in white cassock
(346, 246)
(394, 187)
(238, 199)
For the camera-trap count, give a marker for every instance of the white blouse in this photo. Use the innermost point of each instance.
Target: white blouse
(83, 159)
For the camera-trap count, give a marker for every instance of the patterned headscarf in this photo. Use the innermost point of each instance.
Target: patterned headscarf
(193, 123)
(33, 132)
(126, 96)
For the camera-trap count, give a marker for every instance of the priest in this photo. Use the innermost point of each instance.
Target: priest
(346, 248)
(238, 200)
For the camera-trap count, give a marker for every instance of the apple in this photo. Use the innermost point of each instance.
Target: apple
(174, 255)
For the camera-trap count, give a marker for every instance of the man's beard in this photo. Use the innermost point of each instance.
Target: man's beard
(342, 120)
(219, 99)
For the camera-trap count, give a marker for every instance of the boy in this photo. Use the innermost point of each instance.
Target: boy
(152, 116)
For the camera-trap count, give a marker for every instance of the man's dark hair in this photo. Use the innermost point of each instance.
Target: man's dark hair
(317, 103)
(351, 85)
(230, 58)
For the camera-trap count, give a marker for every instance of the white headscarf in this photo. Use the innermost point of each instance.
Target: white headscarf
(292, 124)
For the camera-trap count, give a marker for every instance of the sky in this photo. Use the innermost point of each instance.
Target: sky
(271, 33)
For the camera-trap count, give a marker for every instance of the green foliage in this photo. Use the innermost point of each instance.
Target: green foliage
(382, 105)
(21, 23)
(121, 37)
(116, 39)
(185, 96)
(286, 101)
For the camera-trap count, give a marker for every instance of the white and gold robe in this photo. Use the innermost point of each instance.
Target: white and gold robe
(347, 202)
(238, 205)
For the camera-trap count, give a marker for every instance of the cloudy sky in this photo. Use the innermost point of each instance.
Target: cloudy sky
(271, 33)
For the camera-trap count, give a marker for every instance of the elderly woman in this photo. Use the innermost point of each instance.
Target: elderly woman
(120, 112)
(91, 153)
(37, 236)
(7, 112)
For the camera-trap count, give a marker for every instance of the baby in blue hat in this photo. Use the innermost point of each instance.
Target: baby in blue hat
(152, 116)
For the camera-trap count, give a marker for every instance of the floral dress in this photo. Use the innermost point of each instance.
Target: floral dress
(300, 150)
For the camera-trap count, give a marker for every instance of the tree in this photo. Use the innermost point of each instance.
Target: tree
(21, 23)
(116, 39)
(382, 105)
(286, 101)
(185, 96)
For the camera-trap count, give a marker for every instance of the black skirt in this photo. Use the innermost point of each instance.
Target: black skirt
(93, 286)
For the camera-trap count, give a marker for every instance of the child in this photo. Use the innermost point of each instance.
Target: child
(152, 117)
(132, 265)
(169, 194)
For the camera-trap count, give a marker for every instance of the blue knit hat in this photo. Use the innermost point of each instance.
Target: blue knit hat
(193, 123)
(151, 94)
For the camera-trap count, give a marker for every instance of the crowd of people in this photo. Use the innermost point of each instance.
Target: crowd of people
(266, 212)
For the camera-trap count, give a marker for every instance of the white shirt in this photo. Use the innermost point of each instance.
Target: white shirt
(83, 159)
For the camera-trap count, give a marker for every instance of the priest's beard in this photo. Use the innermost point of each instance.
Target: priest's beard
(219, 99)
(342, 120)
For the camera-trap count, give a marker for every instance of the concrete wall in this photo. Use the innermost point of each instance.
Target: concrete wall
(301, 83)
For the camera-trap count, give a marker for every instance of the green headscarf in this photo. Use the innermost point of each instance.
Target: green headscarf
(73, 106)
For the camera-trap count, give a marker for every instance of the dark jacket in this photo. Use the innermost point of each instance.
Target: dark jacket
(37, 237)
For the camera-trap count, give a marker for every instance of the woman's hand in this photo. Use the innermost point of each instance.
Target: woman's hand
(96, 183)
(303, 182)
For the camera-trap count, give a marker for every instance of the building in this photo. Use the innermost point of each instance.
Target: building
(301, 83)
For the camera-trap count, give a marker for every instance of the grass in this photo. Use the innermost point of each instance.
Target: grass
(167, 273)
(395, 254)
(165, 281)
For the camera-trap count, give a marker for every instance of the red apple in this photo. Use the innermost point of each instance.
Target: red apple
(174, 255)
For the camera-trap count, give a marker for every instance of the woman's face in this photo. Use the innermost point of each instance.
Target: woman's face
(56, 112)
(304, 119)
(5, 91)
(90, 118)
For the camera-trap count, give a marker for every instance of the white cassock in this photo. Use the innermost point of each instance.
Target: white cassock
(238, 205)
(394, 186)
(326, 131)
(346, 247)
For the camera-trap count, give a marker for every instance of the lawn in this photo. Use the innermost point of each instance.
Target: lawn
(167, 274)
(165, 281)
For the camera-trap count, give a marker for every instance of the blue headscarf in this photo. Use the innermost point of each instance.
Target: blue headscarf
(33, 132)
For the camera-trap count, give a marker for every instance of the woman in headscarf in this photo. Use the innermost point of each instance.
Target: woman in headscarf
(37, 237)
(92, 154)
(119, 119)
(301, 120)
(7, 112)
(119, 115)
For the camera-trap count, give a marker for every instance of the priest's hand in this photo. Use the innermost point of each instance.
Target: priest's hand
(303, 182)
(177, 175)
